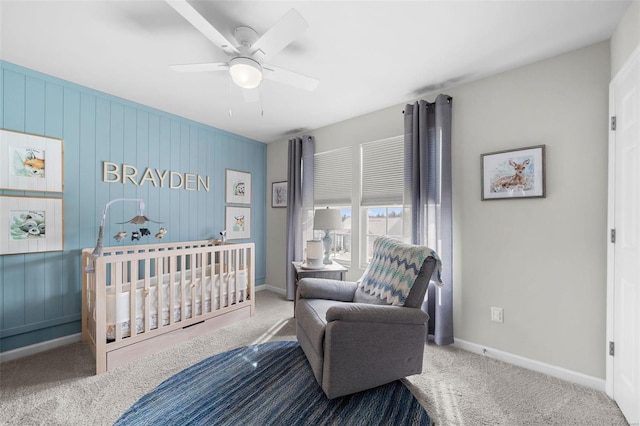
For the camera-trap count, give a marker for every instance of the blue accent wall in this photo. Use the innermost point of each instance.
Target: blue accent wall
(40, 293)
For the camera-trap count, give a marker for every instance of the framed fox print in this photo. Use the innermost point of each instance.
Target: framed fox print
(30, 162)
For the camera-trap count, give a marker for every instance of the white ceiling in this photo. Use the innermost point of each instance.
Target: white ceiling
(368, 55)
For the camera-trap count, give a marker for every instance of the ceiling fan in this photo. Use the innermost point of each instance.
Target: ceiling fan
(247, 65)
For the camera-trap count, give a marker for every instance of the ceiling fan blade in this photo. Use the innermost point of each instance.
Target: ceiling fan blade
(211, 66)
(287, 29)
(289, 77)
(209, 31)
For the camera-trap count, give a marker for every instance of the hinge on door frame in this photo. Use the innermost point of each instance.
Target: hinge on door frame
(613, 123)
(612, 348)
(613, 235)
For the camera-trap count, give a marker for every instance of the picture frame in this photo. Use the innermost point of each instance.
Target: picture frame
(31, 162)
(279, 194)
(238, 222)
(513, 174)
(237, 187)
(33, 224)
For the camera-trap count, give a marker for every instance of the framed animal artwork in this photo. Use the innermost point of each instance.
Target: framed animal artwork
(31, 224)
(514, 173)
(279, 194)
(30, 162)
(238, 223)
(238, 187)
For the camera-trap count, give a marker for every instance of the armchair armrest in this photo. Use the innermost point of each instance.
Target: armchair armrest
(362, 312)
(321, 288)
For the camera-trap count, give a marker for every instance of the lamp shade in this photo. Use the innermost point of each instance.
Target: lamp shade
(325, 219)
(245, 72)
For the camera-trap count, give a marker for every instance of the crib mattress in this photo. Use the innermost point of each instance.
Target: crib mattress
(118, 305)
(125, 327)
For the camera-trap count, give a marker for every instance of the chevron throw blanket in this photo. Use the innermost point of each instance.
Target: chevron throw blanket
(394, 268)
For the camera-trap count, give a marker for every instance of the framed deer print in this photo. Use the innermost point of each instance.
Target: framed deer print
(30, 162)
(238, 222)
(514, 173)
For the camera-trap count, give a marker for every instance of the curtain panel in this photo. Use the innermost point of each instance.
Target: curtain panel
(428, 201)
(300, 198)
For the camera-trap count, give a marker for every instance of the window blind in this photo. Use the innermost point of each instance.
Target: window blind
(383, 172)
(333, 178)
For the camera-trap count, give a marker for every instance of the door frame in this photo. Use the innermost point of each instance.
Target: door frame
(634, 60)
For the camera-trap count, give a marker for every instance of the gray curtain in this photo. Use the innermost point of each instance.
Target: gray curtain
(427, 129)
(299, 199)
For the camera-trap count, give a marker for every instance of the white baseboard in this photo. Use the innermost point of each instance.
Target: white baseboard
(271, 288)
(540, 367)
(39, 347)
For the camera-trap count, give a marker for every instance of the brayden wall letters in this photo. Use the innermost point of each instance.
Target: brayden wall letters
(114, 173)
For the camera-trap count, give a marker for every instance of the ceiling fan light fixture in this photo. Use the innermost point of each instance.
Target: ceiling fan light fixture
(245, 72)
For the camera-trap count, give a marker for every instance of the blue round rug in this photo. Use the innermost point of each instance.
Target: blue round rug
(267, 384)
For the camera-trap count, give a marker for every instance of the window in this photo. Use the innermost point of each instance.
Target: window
(382, 192)
(379, 208)
(381, 221)
(332, 188)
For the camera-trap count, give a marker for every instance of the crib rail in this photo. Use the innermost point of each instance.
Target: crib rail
(135, 293)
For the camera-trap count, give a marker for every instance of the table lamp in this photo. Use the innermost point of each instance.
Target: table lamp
(327, 220)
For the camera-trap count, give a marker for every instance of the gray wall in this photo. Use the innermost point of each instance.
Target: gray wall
(542, 260)
(626, 37)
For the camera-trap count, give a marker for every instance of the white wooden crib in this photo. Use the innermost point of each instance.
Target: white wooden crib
(137, 300)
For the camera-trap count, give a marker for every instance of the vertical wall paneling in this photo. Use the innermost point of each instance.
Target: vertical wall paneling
(13, 270)
(101, 194)
(34, 264)
(53, 276)
(40, 293)
(164, 163)
(201, 161)
(71, 262)
(193, 169)
(142, 158)
(129, 156)
(183, 166)
(116, 155)
(87, 165)
(174, 195)
(154, 155)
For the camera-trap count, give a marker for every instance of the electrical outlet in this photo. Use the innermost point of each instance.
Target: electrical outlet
(497, 314)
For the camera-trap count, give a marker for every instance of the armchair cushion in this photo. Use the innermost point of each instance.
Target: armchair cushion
(361, 312)
(321, 288)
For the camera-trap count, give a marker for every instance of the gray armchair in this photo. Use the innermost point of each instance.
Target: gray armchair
(356, 339)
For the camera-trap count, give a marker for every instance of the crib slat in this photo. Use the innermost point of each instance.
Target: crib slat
(133, 297)
(183, 293)
(237, 277)
(171, 273)
(203, 282)
(221, 281)
(116, 275)
(192, 283)
(147, 296)
(159, 291)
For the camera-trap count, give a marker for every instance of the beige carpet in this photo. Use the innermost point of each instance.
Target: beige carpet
(457, 387)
